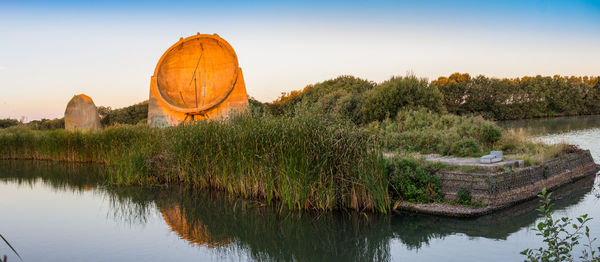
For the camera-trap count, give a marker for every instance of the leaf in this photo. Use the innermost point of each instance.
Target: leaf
(540, 226)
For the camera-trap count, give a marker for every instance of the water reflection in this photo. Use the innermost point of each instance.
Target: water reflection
(228, 224)
(545, 126)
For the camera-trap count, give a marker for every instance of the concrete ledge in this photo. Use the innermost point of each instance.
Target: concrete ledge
(504, 189)
(475, 162)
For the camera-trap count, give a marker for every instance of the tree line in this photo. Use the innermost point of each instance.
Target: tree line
(365, 101)
(519, 98)
(134, 114)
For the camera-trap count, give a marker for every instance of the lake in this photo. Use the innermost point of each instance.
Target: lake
(63, 212)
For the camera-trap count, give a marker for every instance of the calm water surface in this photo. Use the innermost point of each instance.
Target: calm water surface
(62, 212)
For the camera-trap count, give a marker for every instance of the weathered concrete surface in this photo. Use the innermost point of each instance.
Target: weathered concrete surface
(474, 162)
(196, 78)
(81, 114)
(503, 189)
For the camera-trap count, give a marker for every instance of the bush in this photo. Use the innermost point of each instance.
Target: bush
(359, 100)
(464, 196)
(464, 147)
(414, 181)
(341, 97)
(131, 115)
(424, 131)
(399, 93)
(8, 122)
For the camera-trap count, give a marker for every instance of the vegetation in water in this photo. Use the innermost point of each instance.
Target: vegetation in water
(561, 236)
(307, 162)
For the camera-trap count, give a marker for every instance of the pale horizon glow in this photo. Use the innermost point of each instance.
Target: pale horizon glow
(108, 50)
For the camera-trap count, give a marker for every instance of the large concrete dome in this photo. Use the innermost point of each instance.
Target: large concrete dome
(81, 114)
(197, 74)
(196, 78)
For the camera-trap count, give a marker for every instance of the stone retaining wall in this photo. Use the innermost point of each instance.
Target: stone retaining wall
(499, 190)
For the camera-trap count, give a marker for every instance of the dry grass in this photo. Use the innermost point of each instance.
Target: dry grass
(519, 144)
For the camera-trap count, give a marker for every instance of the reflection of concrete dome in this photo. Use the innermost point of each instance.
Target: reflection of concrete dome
(81, 113)
(196, 78)
(195, 233)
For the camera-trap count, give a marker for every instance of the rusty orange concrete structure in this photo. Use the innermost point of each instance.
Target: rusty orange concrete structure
(196, 78)
(81, 114)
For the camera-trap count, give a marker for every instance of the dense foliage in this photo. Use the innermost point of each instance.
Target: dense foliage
(131, 115)
(526, 97)
(464, 196)
(429, 132)
(414, 181)
(359, 100)
(364, 101)
(42, 124)
(8, 122)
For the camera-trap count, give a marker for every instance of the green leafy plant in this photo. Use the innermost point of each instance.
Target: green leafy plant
(414, 181)
(507, 169)
(561, 236)
(464, 196)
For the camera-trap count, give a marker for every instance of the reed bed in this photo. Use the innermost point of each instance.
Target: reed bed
(305, 162)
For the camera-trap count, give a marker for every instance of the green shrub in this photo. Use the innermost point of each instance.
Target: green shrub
(414, 181)
(359, 100)
(131, 115)
(490, 133)
(8, 122)
(465, 147)
(397, 93)
(464, 196)
(424, 131)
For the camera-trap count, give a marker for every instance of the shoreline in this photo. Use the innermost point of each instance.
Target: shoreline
(494, 200)
(502, 190)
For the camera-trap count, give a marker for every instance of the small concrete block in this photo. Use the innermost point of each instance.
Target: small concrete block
(488, 159)
(496, 153)
(493, 157)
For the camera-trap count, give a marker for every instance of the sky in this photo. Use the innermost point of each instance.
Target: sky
(52, 50)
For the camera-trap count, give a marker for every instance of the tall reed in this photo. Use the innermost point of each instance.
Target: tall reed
(305, 161)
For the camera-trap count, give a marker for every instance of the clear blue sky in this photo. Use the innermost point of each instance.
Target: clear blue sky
(51, 50)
